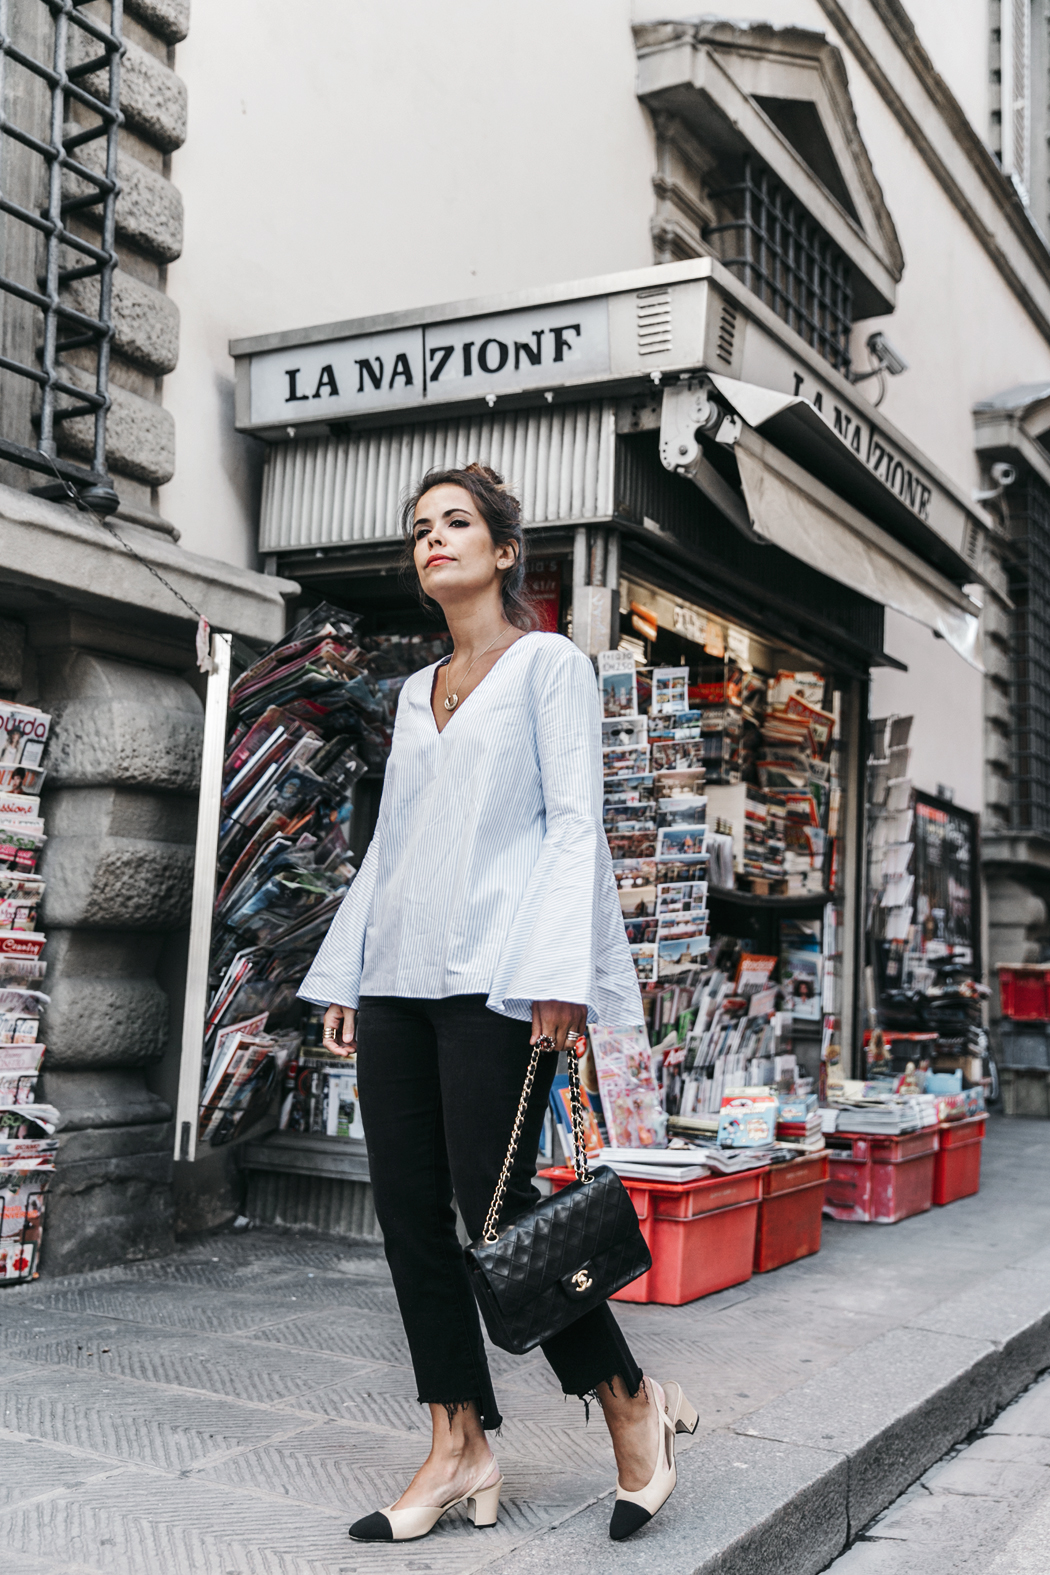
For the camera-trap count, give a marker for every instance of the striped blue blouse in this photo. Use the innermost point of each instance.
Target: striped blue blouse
(489, 872)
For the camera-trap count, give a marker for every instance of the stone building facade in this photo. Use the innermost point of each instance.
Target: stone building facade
(90, 635)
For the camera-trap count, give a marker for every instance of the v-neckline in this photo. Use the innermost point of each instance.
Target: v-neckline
(440, 731)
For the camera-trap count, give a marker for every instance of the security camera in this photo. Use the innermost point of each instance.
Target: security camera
(882, 351)
(886, 359)
(1003, 475)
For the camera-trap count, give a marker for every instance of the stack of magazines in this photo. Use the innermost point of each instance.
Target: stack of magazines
(27, 1128)
(308, 721)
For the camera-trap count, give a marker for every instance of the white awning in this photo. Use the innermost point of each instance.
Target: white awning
(870, 470)
(792, 509)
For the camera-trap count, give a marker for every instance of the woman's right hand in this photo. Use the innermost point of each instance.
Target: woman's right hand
(340, 1030)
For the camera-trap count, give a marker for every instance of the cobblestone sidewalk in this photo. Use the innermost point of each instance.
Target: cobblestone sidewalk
(229, 1410)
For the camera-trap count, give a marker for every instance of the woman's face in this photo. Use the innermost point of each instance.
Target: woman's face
(454, 553)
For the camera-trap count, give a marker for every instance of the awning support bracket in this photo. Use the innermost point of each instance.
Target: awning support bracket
(689, 412)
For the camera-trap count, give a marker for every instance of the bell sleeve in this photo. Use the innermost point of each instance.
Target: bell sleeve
(334, 977)
(567, 941)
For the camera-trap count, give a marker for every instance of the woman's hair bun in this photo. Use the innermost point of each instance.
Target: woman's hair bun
(475, 469)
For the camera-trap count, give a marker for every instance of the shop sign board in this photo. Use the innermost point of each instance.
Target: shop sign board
(436, 363)
(617, 335)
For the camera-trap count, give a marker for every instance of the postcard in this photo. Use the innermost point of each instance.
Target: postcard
(617, 682)
(670, 689)
(681, 842)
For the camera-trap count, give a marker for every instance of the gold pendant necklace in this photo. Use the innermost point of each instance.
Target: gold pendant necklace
(452, 701)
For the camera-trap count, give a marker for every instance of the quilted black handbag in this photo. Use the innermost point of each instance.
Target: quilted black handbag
(566, 1255)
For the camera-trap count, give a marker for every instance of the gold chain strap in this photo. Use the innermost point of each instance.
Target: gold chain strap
(543, 1044)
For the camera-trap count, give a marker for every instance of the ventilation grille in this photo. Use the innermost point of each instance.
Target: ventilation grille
(323, 491)
(726, 333)
(971, 545)
(653, 317)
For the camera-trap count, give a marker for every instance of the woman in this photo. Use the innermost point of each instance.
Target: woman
(484, 916)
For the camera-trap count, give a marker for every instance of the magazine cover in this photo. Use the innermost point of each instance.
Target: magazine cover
(617, 683)
(748, 1120)
(561, 1107)
(23, 734)
(629, 1095)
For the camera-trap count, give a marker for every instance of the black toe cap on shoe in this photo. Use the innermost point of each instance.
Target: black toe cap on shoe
(372, 1528)
(626, 1518)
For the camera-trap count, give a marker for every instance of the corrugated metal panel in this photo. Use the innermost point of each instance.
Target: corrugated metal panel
(319, 492)
(322, 1203)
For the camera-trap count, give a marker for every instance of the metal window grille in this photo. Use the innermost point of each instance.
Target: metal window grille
(59, 94)
(780, 253)
(1029, 580)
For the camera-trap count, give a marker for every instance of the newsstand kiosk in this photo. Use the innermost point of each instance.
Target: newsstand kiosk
(713, 497)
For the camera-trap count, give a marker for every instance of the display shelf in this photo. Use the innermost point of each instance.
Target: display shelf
(750, 899)
(309, 1154)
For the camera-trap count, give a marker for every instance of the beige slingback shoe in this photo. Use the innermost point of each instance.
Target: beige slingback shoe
(405, 1525)
(631, 1511)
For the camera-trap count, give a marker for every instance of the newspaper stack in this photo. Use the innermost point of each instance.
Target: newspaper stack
(27, 1129)
(308, 721)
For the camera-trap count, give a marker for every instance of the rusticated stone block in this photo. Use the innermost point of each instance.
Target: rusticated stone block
(140, 435)
(109, 882)
(153, 99)
(149, 208)
(168, 19)
(107, 1009)
(81, 1147)
(145, 322)
(12, 653)
(115, 723)
(102, 1210)
(108, 1098)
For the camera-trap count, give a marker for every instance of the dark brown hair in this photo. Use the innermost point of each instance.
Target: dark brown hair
(501, 511)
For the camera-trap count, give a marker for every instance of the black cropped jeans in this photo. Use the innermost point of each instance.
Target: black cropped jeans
(439, 1083)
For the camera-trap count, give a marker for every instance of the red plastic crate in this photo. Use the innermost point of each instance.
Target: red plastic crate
(701, 1234)
(880, 1179)
(958, 1170)
(1024, 991)
(791, 1212)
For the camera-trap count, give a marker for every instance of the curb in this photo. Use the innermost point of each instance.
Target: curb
(785, 1488)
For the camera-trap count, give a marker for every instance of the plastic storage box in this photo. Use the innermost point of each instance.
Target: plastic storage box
(880, 1179)
(701, 1234)
(957, 1173)
(1024, 991)
(791, 1212)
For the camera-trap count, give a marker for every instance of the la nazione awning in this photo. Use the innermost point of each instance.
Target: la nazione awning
(789, 507)
(863, 466)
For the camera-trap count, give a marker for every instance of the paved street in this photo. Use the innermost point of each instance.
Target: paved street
(983, 1510)
(228, 1410)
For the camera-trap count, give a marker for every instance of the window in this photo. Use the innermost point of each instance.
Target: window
(1029, 584)
(777, 250)
(60, 87)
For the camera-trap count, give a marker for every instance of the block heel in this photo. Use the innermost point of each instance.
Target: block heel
(682, 1414)
(483, 1507)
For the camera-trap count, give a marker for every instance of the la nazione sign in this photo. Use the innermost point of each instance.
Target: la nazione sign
(611, 336)
(436, 363)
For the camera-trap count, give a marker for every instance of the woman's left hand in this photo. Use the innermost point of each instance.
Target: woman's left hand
(558, 1018)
